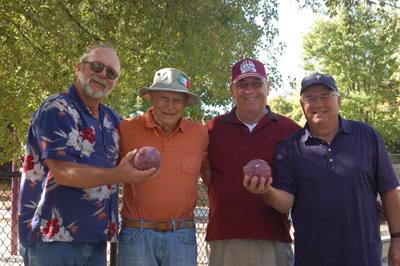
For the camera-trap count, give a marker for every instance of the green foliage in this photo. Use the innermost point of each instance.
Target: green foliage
(381, 112)
(360, 48)
(289, 106)
(332, 7)
(41, 42)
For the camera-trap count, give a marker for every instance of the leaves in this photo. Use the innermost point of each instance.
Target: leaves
(41, 42)
(360, 48)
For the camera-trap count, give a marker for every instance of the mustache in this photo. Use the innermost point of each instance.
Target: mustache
(98, 80)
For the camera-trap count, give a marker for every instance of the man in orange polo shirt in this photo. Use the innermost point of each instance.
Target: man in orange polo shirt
(157, 216)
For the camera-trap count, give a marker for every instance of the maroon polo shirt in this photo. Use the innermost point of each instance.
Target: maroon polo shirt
(236, 213)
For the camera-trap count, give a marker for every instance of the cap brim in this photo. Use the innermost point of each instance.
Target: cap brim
(245, 75)
(192, 99)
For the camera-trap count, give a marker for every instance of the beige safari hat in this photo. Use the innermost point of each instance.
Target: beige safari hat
(173, 80)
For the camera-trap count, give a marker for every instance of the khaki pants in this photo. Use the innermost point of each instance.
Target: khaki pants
(243, 252)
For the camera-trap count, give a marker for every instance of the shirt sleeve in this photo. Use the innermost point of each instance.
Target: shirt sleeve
(56, 131)
(285, 173)
(384, 173)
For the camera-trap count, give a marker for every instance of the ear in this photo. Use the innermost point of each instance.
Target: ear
(231, 88)
(267, 87)
(149, 96)
(302, 105)
(78, 67)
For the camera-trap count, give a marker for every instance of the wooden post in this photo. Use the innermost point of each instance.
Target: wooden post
(14, 211)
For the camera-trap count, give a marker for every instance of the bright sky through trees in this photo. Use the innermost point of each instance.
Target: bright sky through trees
(293, 24)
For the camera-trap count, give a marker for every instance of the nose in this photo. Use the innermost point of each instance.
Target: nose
(248, 88)
(102, 73)
(169, 103)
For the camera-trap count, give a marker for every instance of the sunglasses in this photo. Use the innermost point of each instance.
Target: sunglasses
(245, 85)
(98, 67)
(324, 98)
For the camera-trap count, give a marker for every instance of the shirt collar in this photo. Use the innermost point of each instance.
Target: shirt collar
(344, 127)
(77, 101)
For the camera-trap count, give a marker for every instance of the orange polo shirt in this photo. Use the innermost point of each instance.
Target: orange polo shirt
(172, 194)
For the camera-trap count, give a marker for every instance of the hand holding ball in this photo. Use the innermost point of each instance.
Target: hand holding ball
(146, 158)
(257, 167)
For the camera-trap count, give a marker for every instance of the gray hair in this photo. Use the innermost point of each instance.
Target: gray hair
(95, 46)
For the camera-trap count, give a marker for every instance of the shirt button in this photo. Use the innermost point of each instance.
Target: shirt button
(331, 160)
(329, 149)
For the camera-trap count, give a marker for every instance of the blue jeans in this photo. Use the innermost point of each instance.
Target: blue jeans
(23, 251)
(141, 246)
(68, 254)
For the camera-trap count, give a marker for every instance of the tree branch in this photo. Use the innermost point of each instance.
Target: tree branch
(97, 38)
(18, 27)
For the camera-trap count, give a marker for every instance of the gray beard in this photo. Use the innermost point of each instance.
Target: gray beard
(97, 95)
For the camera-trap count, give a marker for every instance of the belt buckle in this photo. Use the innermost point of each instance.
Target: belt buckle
(162, 226)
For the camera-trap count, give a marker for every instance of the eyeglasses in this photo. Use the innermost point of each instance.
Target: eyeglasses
(98, 67)
(324, 98)
(244, 85)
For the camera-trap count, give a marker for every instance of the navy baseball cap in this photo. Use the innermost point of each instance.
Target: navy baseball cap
(318, 78)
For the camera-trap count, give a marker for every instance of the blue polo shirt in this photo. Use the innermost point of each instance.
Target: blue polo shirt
(335, 188)
(64, 129)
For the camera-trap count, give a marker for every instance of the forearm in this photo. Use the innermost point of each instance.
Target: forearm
(81, 175)
(281, 200)
(391, 205)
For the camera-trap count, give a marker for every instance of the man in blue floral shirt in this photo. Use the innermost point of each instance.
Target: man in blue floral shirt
(69, 189)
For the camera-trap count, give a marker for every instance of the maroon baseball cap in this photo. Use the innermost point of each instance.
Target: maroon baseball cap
(247, 68)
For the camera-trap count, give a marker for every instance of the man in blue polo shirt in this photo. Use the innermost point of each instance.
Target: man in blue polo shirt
(69, 196)
(330, 173)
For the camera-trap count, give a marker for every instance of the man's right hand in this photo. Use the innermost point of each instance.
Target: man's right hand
(129, 174)
(281, 200)
(257, 185)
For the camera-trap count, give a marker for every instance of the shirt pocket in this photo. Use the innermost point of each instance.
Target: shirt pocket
(190, 163)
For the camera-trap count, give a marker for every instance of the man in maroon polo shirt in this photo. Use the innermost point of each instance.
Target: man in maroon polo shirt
(242, 230)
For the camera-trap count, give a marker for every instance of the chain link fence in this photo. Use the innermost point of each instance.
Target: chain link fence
(9, 255)
(9, 184)
(9, 188)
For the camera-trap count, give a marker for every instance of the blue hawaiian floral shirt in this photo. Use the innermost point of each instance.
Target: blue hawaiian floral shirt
(64, 129)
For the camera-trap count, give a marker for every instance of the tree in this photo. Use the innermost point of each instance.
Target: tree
(360, 47)
(332, 7)
(288, 106)
(41, 42)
